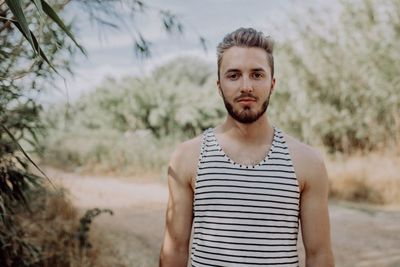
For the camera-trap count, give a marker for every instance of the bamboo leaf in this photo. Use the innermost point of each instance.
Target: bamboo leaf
(16, 9)
(35, 140)
(25, 154)
(53, 15)
(38, 5)
(23, 163)
(35, 44)
(34, 180)
(18, 187)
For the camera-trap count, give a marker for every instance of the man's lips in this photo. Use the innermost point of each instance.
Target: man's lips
(246, 99)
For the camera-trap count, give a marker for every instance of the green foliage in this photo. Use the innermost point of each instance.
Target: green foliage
(19, 112)
(22, 76)
(130, 126)
(20, 80)
(339, 82)
(20, 21)
(175, 99)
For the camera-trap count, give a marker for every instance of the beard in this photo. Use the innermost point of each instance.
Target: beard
(246, 115)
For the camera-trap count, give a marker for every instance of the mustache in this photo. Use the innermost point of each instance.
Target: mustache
(245, 95)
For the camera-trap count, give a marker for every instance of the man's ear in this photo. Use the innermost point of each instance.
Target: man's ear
(273, 83)
(219, 88)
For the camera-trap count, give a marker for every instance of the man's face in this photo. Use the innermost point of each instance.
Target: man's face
(245, 83)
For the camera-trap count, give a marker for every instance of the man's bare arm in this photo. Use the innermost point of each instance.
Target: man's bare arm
(314, 214)
(179, 215)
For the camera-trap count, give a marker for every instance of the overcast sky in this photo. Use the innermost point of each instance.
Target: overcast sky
(111, 53)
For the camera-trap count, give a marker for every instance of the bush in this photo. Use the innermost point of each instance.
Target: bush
(47, 235)
(108, 152)
(338, 81)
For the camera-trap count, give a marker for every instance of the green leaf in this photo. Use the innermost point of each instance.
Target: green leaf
(24, 153)
(16, 9)
(35, 140)
(38, 5)
(34, 180)
(36, 45)
(53, 15)
(23, 163)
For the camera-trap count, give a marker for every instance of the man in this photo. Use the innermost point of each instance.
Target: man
(245, 185)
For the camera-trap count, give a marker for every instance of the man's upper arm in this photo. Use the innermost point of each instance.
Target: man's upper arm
(314, 214)
(179, 215)
(179, 210)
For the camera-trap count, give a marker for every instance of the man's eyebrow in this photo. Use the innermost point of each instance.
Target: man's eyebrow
(258, 69)
(232, 70)
(237, 70)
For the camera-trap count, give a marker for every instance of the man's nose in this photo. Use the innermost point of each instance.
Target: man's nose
(247, 85)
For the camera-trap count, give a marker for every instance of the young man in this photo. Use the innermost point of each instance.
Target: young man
(245, 185)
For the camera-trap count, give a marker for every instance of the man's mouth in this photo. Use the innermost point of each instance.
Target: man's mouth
(246, 100)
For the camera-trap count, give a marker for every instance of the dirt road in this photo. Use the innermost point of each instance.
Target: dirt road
(362, 236)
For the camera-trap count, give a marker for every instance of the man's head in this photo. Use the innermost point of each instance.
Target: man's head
(245, 74)
(246, 37)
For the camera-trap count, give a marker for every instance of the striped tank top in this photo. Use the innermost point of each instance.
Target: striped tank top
(245, 215)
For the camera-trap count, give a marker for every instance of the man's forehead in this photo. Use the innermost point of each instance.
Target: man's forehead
(244, 57)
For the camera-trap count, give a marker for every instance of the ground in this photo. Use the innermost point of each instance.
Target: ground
(362, 235)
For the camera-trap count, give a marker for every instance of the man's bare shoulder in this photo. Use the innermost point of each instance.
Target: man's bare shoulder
(185, 157)
(308, 162)
(307, 152)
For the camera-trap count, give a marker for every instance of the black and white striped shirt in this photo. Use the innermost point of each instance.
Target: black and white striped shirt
(245, 215)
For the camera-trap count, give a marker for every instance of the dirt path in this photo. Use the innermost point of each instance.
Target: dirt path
(362, 236)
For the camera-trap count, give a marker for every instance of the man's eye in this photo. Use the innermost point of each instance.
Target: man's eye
(233, 76)
(257, 75)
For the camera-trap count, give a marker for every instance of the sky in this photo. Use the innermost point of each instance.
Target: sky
(111, 53)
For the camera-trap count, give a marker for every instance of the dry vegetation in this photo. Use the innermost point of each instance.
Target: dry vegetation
(51, 233)
(372, 178)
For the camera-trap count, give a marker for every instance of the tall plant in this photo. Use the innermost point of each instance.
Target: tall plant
(340, 82)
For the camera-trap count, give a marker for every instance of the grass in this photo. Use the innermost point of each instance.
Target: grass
(372, 178)
(108, 153)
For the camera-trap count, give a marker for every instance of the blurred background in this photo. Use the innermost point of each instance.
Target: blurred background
(95, 95)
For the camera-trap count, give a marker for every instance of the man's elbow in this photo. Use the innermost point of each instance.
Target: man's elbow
(320, 259)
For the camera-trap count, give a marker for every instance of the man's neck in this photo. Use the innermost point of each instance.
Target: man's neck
(249, 133)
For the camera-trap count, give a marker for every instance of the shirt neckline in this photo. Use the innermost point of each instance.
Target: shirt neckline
(244, 166)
